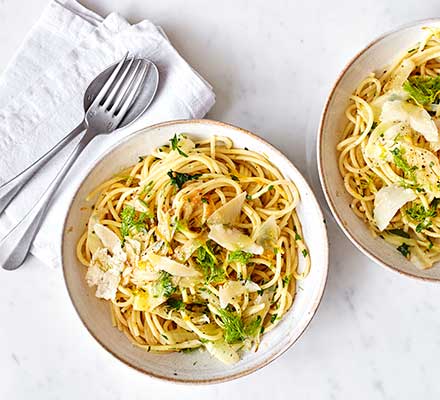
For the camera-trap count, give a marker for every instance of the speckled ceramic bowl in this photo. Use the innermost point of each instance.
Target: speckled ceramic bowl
(374, 57)
(196, 367)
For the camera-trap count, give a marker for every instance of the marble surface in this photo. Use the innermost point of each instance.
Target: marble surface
(272, 63)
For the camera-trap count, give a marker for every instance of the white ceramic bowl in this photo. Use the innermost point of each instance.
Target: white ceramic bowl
(374, 57)
(196, 367)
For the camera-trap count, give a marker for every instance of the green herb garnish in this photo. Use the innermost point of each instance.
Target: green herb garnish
(253, 327)
(399, 232)
(423, 89)
(232, 325)
(175, 145)
(402, 164)
(239, 256)
(234, 178)
(273, 318)
(404, 249)
(305, 253)
(175, 304)
(207, 261)
(164, 286)
(179, 179)
(130, 221)
(286, 280)
(422, 215)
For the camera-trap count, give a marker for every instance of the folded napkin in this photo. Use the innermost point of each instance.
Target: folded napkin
(41, 96)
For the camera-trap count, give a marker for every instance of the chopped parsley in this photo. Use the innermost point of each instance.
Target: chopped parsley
(297, 237)
(305, 253)
(131, 221)
(207, 261)
(204, 200)
(239, 256)
(178, 179)
(423, 90)
(234, 178)
(273, 318)
(175, 145)
(404, 249)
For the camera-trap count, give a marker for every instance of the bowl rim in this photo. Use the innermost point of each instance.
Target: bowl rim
(324, 184)
(309, 315)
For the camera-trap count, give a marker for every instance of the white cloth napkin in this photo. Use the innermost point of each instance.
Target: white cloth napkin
(41, 95)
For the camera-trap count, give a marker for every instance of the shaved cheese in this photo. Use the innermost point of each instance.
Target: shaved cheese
(229, 292)
(233, 239)
(392, 95)
(417, 117)
(251, 287)
(144, 275)
(229, 212)
(268, 233)
(185, 251)
(108, 238)
(388, 201)
(222, 351)
(427, 174)
(162, 263)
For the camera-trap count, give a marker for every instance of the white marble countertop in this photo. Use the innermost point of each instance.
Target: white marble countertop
(272, 63)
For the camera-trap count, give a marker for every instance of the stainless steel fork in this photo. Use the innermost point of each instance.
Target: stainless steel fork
(104, 115)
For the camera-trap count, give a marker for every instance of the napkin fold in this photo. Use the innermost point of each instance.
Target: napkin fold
(41, 97)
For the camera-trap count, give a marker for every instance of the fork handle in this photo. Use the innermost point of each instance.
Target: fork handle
(11, 188)
(15, 246)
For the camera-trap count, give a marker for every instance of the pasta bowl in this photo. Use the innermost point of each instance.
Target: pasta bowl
(374, 58)
(195, 367)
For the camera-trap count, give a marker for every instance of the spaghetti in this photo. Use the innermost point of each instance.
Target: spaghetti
(388, 155)
(197, 245)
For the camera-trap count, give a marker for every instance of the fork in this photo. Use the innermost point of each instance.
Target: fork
(104, 116)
